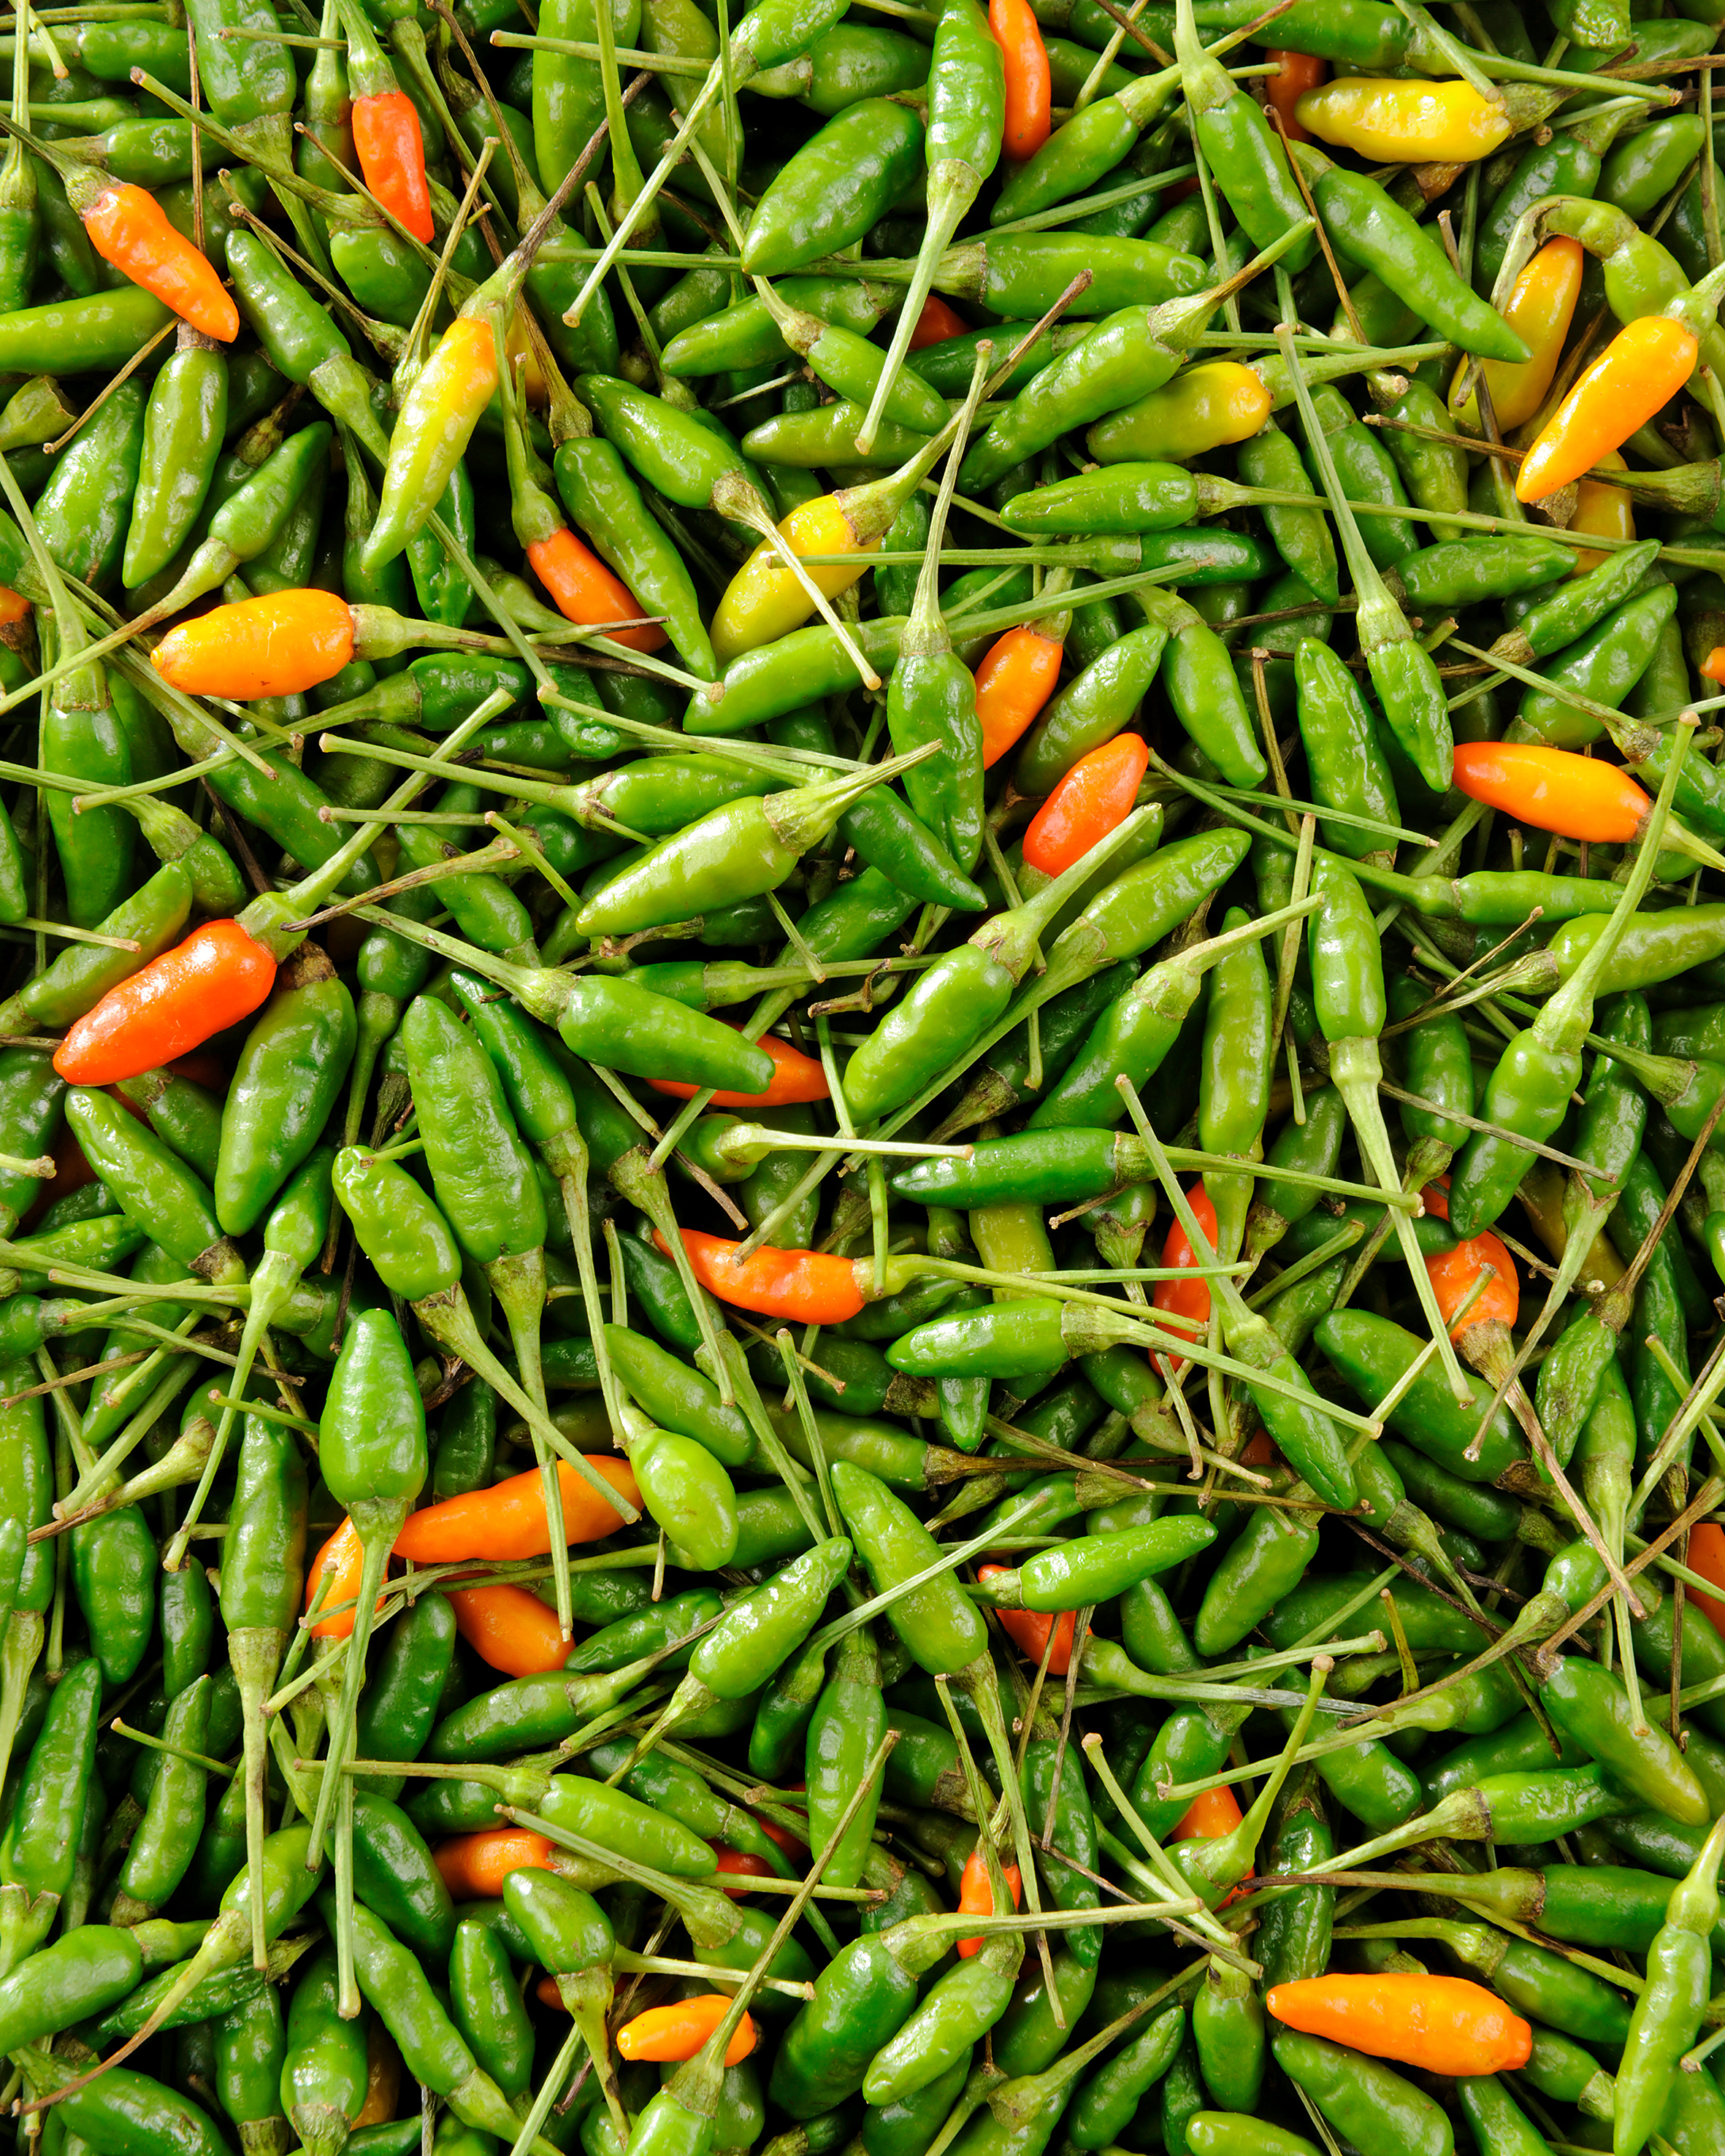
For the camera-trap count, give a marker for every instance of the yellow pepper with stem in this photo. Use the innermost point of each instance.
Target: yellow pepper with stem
(1539, 310)
(1417, 122)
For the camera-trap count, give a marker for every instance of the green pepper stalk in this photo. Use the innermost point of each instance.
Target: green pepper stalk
(407, 1240)
(1668, 2013)
(967, 107)
(277, 1876)
(1403, 671)
(771, 31)
(373, 1453)
(572, 1938)
(20, 233)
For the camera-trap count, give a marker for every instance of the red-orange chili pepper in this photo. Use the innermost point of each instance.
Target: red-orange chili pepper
(936, 323)
(392, 158)
(1015, 679)
(1094, 797)
(1029, 1629)
(1435, 1197)
(510, 1629)
(1187, 1298)
(281, 646)
(740, 1864)
(1209, 1817)
(508, 1522)
(475, 1866)
(218, 976)
(1029, 83)
(1482, 1330)
(809, 1287)
(975, 1897)
(1643, 367)
(342, 1558)
(13, 606)
(1440, 2024)
(583, 590)
(797, 1080)
(1579, 796)
(1707, 1556)
(678, 2030)
(1296, 73)
(130, 228)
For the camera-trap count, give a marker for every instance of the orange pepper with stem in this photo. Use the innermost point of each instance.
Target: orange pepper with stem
(387, 138)
(129, 228)
(1028, 79)
(1643, 368)
(507, 1522)
(797, 1080)
(678, 2030)
(510, 1629)
(474, 1866)
(1481, 1331)
(975, 1897)
(1094, 797)
(1187, 1298)
(1018, 676)
(13, 606)
(1539, 310)
(218, 975)
(805, 1287)
(1439, 2025)
(1579, 797)
(1296, 73)
(281, 646)
(1029, 1630)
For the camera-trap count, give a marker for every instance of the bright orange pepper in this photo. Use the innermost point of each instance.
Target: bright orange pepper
(508, 1522)
(1015, 679)
(807, 1287)
(281, 646)
(797, 1080)
(1579, 796)
(1029, 86)
(1539, 310)
(1094, 797)
(1643, 368)
(678, 2030)
(1440, 2024)
(975, 1897)
(475, 1866)
(510, 1629)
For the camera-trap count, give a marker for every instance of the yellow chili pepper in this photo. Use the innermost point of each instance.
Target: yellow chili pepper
(763, 601)
(1202, 408)
(1604, 512)
(1539, 310)
(1642, 368)
(1410, 123)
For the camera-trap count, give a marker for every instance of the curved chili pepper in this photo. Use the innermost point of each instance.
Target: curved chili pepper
(679, 2031)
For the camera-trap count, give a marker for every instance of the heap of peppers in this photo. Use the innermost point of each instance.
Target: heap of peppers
(862, 1078)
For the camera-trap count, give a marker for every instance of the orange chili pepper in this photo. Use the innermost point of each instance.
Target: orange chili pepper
(1602, 512)
(1094, 797)
(1707, 1556)
(1015, 679)
(678, 2030)
(130, 228)
(1643, 367)
(796, 1079)
(342, 1557)
(1258, 1451)
(392, 158)
(740, 1864)
(1579, 796)
(810, 1287)
(13, 606)
(1207, 1818)
(1187, 1298)
(976, 1898)
(1539, 309)
(1435, 1197)
(1713, 665)
(583, 590)
(1029, 1629)
(1029, 85)
(1441, 2025)
(214, 978)
(278, 646)
(508, 1522)
(1296, 73)
(936, 323)
(510, 1629)
(475, 1866)
(1455, 1274)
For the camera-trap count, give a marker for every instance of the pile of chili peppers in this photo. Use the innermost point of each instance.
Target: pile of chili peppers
(862, 1081)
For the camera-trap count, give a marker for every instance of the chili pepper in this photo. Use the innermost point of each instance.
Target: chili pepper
(679, 2031)
(1445, 2024)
